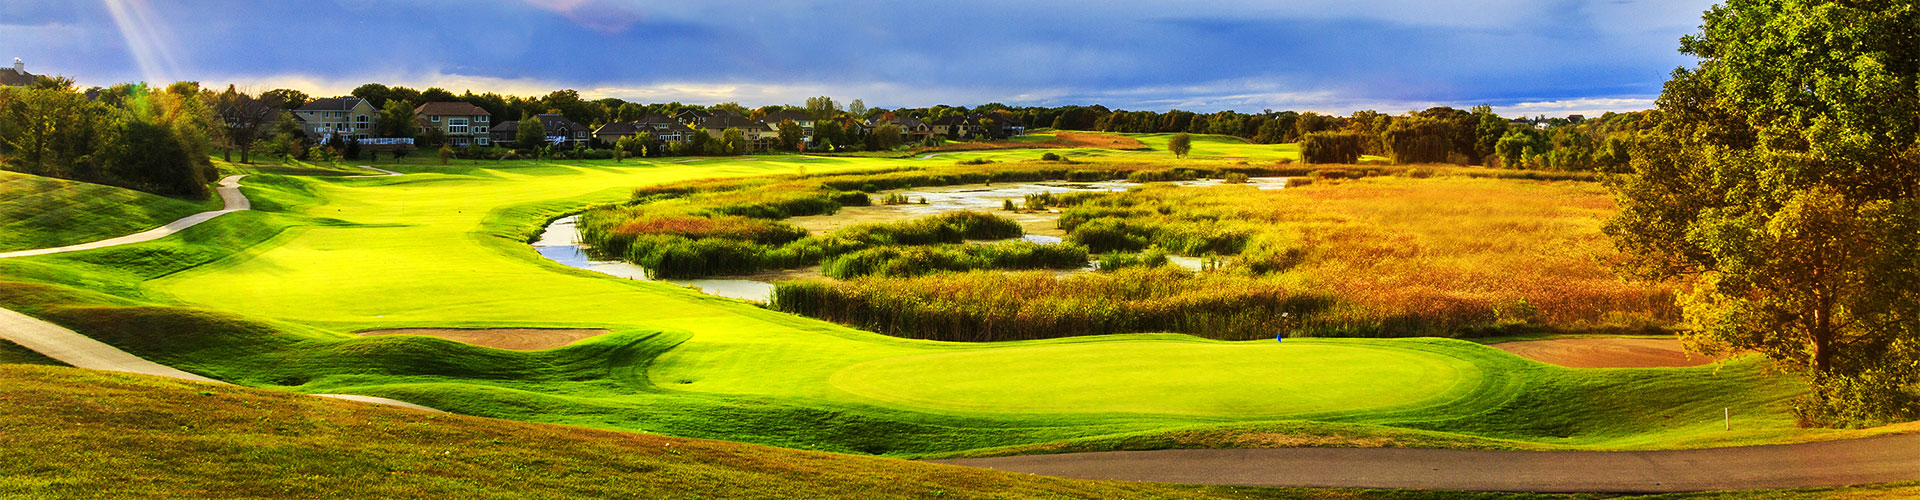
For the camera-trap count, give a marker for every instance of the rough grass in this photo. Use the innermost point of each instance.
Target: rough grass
(43, 212)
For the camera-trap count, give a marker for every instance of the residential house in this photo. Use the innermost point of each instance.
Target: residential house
(760, 136)
(955, 126)
(19, 76)
(664, 129)
(560, 131)
(464, 124)
(911, 129)
(347, 117)
(798, 117)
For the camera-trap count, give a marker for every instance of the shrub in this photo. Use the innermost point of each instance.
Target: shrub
(850, 198)
(1332, 147)
(1114, 261)
(1108, 235)
(975, 161)
(895, 199)
(1089, 175)
(1051, 157)
(1237, 178)
(1162, 175)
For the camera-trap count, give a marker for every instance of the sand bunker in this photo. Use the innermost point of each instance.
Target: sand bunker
(1607, 352)
(518, 339)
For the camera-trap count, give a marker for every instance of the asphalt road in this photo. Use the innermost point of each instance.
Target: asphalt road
(1830, 463)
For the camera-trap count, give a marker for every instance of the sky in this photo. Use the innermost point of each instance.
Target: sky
(1524, 57)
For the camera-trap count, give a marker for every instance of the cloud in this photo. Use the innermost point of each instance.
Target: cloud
(597, 15)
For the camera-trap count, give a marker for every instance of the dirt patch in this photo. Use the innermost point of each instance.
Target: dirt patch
(517, 339)
(1608, 353)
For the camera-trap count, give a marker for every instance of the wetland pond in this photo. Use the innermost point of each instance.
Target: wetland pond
(560, 241)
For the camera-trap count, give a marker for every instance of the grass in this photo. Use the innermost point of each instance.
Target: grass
(262, 299)
(17, 354)
(1439, 254)
(90, 433)
(43, 212)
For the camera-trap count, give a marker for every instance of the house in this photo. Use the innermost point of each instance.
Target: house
(664, 129)
(798, 117)
(953, 126)
(347, 117)
(911, 129)
(760, 136)
(464, 124)
(560, 131)
(18, 77)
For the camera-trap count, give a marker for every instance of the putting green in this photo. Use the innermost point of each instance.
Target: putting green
(1175, 378)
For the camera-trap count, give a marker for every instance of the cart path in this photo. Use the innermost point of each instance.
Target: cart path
(1803, 465)
(229, 195)
(382, 172)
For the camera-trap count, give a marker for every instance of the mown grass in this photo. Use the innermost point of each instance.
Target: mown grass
(261, 298)
(43, 212)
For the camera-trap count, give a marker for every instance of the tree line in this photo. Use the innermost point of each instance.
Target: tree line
(128, 135)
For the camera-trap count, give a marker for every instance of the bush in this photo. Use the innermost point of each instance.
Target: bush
(1162, 175)
(1237, 178)
(1051, 157)
(975, 161)
(916, 261)
(1114, 261)
(1332, 147)
(850, 198)
(1108, 235)
(1089, 175)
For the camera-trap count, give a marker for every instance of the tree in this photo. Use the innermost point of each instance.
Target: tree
(245, 117)
(828, 134)
(1180, 144)
(531, 134)
(286, 98)
(857, 108)
(396, 120)
(1791, 216)
(790, 135)
(886, 137)
(822, 107)
(1332, 147)
(375, 94)
(733, 141)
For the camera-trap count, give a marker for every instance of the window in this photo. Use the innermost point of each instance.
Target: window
(479, 129)
(580, 135)
(480, 119)
(435, 119)
(480, 140)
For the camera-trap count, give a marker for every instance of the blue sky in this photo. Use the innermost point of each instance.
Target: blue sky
(1528, 57)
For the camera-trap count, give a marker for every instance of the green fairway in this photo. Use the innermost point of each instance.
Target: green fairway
(1266, 379)
(269, 297)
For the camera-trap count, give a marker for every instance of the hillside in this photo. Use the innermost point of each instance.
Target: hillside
(87, 433)
(41, 212)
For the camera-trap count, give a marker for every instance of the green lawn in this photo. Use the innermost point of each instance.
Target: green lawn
(264, 298)
(42, 212)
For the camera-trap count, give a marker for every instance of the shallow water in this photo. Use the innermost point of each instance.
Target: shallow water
(561, 243)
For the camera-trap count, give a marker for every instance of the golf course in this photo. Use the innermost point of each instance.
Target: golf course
(272, 297)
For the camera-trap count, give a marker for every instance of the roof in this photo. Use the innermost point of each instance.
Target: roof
(450, 109)
(615, 128)
(780, 116)
(332, 104)
(550, 121)
(10, 77)
(722, 122)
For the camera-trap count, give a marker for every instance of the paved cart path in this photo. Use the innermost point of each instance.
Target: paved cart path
(229, 195)
(1803, 465)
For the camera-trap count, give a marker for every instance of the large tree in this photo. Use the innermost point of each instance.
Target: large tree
(1180, 144)
(1778, 187)
(791, 134)
(532, 133)
(396, 120)
(246, 118)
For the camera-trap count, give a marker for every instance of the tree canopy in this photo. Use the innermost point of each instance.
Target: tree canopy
(1779, 183)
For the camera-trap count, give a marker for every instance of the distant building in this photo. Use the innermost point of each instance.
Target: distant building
(805, 121)
(19, 76)
(463, 123)
(560, 131)
(348, 117)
